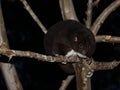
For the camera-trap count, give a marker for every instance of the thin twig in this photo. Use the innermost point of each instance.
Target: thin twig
(33, 15)
(66, 82)
(107, 38)
(100, 20)
(89, 13)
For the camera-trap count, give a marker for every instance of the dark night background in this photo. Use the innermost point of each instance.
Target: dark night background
(24, 34)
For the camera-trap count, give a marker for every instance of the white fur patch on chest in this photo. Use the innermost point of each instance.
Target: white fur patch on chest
(74, 53)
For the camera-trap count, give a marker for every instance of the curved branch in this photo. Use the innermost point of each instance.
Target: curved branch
(99, 21)
(67, 9)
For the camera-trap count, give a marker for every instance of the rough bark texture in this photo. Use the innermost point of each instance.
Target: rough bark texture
(8, 70)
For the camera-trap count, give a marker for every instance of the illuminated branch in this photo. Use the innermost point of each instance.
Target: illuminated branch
(67, 9)
(107, 38)
(66, 82)
(8, 70)
(88, 64)
(100, 20)
(68, 12)
(89, 13)
(33, 15)
(40, 57)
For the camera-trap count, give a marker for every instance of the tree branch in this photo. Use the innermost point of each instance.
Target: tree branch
(66, 82)
(40, 57)
(88, 62)
(105, 65)
(107, 38)
(96, 2)
(89, 13)
(33, 15)
(88, 65)
(8, 70)
(67, 10)
(99, 21)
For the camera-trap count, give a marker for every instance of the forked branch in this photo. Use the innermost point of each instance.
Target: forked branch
(8, 70)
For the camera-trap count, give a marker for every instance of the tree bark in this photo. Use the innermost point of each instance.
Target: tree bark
(8, 70)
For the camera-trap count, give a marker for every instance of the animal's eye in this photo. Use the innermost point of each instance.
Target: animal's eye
(80, 46)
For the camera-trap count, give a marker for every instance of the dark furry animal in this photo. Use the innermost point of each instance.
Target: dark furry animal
(69, 38)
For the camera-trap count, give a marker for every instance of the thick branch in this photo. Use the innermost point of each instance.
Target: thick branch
(33, 15)
(107, 38)
(88, 62)
(8, 70)
(3, 37)
(39, 57)
(67, 9)
(99, 21)
(82, 79)
(68, 12)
